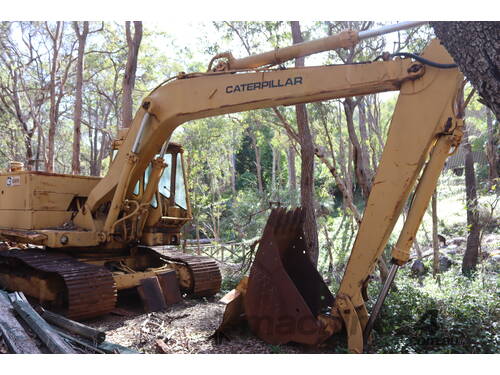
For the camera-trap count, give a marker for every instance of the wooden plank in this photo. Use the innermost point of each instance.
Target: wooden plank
(104, 347)
(80, 342)
(39, 326)
(74, 327)
(16, 338)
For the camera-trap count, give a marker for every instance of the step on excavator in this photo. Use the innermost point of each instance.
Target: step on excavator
(89, 237)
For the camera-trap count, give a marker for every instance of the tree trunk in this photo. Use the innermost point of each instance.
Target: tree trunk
(364, 141)
(233, 171)
(133, 44)
(307, 164)
(258, 165)
(53, 112)
(471, 254)
(360, 164)
(374, 129)
(275, 152)
(9, 97)
(474, 46)
(38, 148)
(77, 116)
(341, 185)
(292, 176)
(198, 248)
(491, 149)
(382, 269)
(417, 249)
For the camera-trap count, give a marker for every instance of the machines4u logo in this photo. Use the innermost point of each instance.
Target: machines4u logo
(292, 81)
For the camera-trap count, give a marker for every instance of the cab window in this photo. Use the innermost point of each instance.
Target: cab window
(180, 187)
(164, 185)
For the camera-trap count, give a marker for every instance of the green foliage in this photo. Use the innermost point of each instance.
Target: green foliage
(246, 218)
(229, 282)
(245, 165)
(460, 316)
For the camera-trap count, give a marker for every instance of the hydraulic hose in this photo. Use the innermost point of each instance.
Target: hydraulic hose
(422, 60)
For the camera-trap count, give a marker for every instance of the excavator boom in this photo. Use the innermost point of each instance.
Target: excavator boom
(212, 94)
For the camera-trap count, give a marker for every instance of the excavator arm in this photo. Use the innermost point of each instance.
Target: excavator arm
(423, 130)
(202, 95)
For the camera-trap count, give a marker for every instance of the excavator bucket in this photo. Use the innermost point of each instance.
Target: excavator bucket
(285, 293)
(234, 314)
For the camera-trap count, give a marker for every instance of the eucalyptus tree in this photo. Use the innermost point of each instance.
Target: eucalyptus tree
(133, 44)
(60, 57)
(24, 85)
(307, 163)
(474, 46)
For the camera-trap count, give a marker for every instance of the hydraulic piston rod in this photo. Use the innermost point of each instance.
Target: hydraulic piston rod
(362, 35)
(380, 302)
(345, 39)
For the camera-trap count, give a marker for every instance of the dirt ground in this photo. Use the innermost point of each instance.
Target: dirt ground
(185, 328)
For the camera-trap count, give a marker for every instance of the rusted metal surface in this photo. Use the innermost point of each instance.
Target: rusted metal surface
(204, 271)
(285, 292)
(152, 295)
(89, 290)
(234, 314)
(170, 287)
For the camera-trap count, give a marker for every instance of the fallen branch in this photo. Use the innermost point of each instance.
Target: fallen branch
(162, 347)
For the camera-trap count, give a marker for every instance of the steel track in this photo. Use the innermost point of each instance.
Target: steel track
(90, 290)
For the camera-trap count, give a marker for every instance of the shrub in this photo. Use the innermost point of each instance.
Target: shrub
(460, 316)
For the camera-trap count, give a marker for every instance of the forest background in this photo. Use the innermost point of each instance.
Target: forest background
(66, 88)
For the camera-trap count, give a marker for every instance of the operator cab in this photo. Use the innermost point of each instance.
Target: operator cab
(170, 207)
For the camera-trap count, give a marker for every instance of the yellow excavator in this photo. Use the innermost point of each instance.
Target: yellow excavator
(93, 236)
